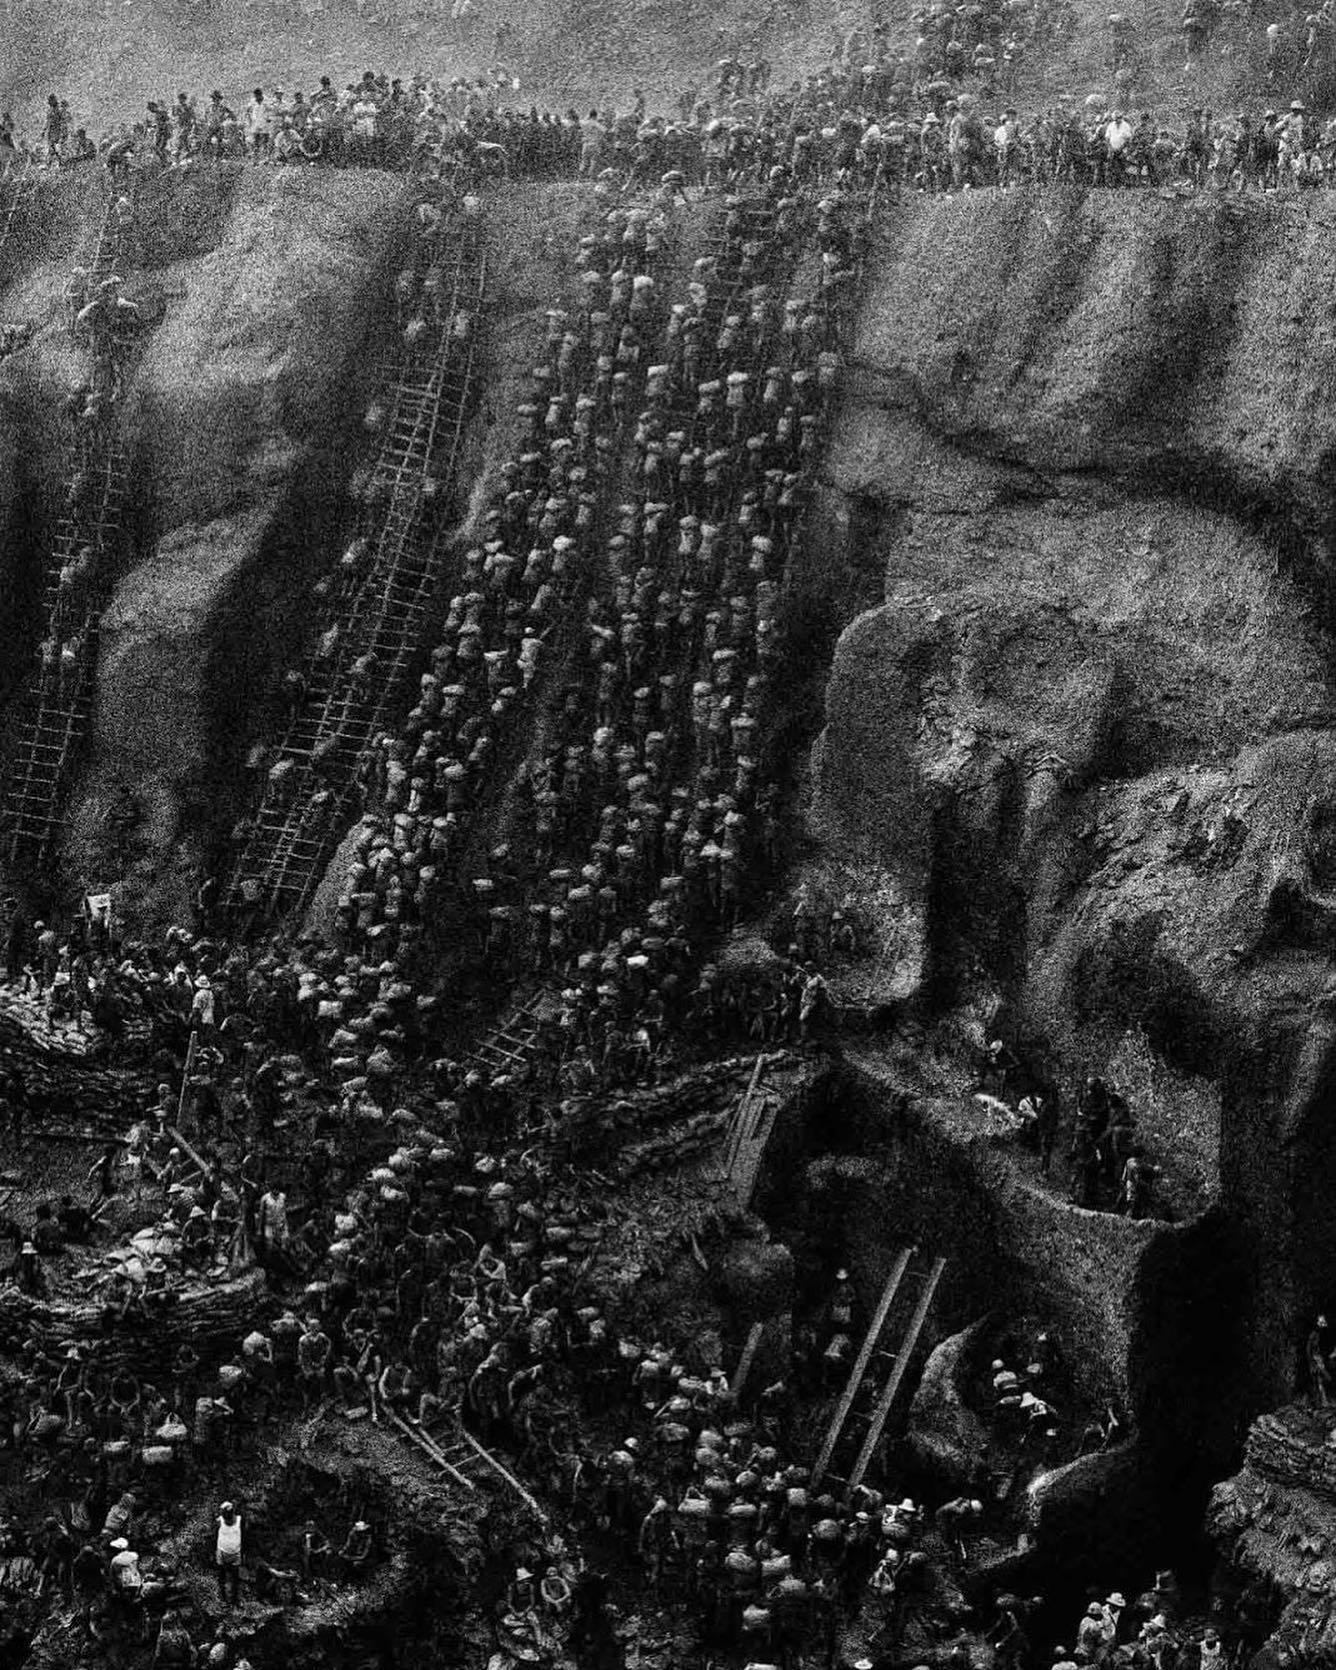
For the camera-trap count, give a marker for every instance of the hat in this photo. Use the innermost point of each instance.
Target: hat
(361, 1525)
(227, 1507)
(120, 1545)
(1115, 1599)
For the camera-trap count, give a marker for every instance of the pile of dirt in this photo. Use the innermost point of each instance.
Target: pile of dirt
(213, 1317)
(70, 1091)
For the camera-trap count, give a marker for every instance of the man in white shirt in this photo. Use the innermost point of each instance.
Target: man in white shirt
(228, 1554)
(1117, 137)
(258, 135)
(272, 1224)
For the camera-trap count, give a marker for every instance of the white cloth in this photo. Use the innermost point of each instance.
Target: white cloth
(229, 1541)
(1117, 136)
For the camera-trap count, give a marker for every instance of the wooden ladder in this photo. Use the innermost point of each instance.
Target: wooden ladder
(890, 1288)
(908, 1345)
(385, 616)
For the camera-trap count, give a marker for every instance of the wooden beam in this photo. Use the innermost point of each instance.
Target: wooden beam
(743, 1369)
(737, 1132)
(224, 1187)
(755, 1152)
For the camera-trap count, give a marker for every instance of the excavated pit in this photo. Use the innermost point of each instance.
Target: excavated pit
(1059, 645)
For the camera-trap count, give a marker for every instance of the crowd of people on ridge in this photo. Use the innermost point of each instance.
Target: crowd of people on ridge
(934, 113)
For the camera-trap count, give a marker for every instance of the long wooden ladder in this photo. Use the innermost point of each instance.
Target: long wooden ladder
(908, 1346)
(859, 1370)
(294, 835)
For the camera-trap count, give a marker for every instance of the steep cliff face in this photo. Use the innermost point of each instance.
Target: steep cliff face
(265, 304)
(1085, 735)
(246, 411)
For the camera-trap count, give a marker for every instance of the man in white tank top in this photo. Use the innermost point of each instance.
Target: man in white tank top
(228, 1557)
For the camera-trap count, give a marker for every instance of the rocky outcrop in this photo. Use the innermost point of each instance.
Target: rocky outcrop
(945, 1437)
(1272, 1521)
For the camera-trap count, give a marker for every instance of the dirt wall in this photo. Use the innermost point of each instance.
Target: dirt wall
(1012, 1243)
(1146, 1314)
(1076, 518)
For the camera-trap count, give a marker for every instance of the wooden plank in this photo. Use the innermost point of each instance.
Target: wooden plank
(206, 1170)
(743, 1369)
(856, 1373)
(755, 1154)
(898, 1371)
(738, 1125)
